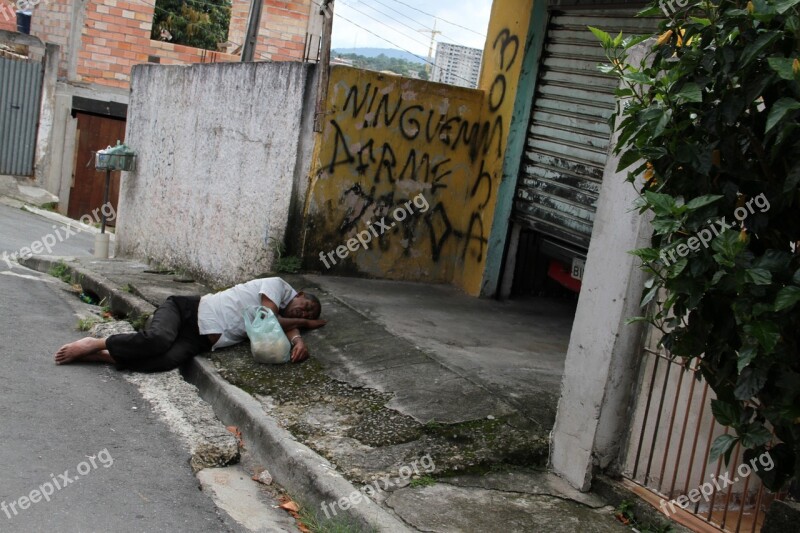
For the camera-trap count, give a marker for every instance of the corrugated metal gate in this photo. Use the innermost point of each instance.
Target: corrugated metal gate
(20, 94)
(568, 136)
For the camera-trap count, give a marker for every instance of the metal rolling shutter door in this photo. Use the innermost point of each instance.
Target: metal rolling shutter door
(568, 137)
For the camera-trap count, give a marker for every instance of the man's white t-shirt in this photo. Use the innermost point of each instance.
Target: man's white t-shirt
(223, 312)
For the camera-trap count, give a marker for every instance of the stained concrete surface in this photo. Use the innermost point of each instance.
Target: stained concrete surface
(515, 350)
(245, 500)
(443, 508)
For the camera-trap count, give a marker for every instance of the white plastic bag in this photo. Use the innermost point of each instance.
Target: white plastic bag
(268, 342)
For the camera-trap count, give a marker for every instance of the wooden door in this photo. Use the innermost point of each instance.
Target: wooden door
(94, 133)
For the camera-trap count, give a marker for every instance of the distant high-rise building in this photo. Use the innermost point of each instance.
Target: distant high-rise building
(457, 65)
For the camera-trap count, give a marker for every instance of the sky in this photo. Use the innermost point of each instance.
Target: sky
(461, 22)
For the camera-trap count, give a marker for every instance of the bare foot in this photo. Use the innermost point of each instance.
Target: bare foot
(75, 350)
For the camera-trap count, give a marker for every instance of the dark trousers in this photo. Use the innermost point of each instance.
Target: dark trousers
(171, 339)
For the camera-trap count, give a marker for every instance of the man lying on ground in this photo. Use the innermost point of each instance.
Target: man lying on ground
(184, 326)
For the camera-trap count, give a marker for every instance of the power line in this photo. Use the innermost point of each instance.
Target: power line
(383, 23)
(411, 19)
(393, 44)
(443, 20)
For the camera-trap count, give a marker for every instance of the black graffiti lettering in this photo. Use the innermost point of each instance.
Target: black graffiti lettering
(439, 229)
(357, 106)
(388, 161)
(482, 176)
(412, 132)
(469, 133)
(475, 221)
(339, 143)
(415, 170)
(488, 138)
(496, 101)
(358, 202)
(436, 183)
(444, 133)
(431, 136)
(364, 165)
(508, 39)
(372, 100)
(384, 104)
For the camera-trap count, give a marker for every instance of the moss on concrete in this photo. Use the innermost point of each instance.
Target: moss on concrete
(353, 428)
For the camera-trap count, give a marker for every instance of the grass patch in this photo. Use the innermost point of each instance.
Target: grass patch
(61, 271)
(422, 481)
(317, 522)
(85, 324)
(139, 322)
(289, 264)
(625, 514)
(127, 288)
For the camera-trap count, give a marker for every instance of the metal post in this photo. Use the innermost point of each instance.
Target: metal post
(105, 201)
(253, 25)
(324, 65)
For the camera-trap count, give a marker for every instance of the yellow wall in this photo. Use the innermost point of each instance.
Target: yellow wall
(500, 73)
(388, 139)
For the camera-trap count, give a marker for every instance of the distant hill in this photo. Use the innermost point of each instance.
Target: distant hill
(388, 52)
(384, 63)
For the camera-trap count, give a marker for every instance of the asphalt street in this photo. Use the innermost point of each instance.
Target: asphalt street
(79, 434)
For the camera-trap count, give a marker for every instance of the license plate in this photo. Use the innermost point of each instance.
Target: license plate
(577, 268)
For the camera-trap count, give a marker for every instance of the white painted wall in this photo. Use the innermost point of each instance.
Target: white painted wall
(217, 165)
(603, 355)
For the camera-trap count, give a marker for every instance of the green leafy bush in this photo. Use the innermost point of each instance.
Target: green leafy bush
(197, 23)
(710, 120)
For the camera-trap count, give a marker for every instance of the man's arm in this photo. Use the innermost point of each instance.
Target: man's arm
(299, 350)
(289, 324)
(296, 323)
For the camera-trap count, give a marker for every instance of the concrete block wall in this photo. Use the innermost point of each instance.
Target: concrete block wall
(219, 159)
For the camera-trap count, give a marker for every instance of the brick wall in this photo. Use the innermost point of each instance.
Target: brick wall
(237, 29)
(51, 23)
(282, 35)
(116, 36)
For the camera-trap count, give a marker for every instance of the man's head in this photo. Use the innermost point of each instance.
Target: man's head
(304, 305)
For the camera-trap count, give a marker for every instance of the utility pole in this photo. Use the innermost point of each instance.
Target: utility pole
(324, 65)
(434, 32)
(253, 24)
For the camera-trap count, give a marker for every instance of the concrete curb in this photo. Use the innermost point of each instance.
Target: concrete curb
(119, 301)
(61, 219)
(293, 465)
